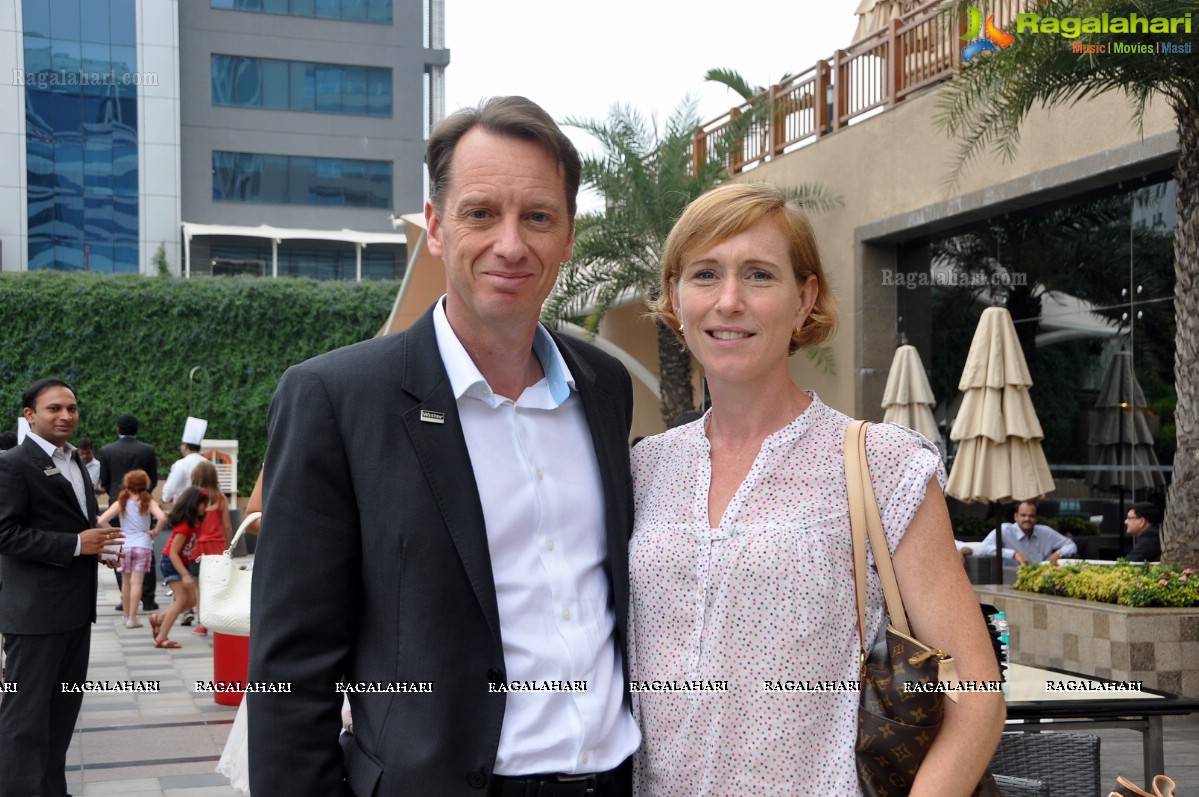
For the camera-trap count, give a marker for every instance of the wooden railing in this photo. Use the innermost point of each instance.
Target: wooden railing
(876, 72)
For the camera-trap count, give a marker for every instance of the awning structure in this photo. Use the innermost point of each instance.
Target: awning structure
(277, 235)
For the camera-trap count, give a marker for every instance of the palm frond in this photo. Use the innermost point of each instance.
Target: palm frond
(984, 106)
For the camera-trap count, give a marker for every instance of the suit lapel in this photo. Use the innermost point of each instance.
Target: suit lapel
(59, 481)
(441, 449)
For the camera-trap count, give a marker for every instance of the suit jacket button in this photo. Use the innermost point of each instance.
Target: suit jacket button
(477, 779)
(495, 677)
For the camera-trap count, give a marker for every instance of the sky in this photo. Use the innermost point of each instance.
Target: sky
(576, 59)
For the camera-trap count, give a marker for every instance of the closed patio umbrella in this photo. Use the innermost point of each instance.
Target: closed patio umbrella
(999, 457)
(908, 398)
(1120, 437)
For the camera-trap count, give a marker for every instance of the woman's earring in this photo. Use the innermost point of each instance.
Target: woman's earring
(680, 328)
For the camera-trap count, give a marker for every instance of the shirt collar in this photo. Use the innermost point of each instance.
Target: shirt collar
(465, 377)
(50, 448)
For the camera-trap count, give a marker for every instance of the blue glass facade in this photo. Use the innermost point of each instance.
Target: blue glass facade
(300, 86)
(337, 264)
(377, 11)
(300, 180)
(80, 84)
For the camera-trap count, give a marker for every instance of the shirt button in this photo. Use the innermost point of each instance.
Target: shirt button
(549, 545)
(566, 614)
(583, 759)
(538, 472)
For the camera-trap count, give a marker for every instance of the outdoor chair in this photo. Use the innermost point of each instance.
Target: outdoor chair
(1021, 787)
(1067, 763)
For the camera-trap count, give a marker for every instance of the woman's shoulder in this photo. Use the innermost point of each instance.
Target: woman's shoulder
(668, 442)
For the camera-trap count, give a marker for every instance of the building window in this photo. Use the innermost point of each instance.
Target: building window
(81, 154)
(374, 11)
(321, 264)
(300, 180)
(269, 83)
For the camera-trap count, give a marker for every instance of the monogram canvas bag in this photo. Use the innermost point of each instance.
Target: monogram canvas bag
(896, 727)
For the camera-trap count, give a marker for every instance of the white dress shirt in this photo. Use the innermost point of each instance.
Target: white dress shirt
(539, 485)
(1036, 547)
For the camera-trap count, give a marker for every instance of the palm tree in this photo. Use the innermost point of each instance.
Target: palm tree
(985, 106)
(763, 116)
(646, 177)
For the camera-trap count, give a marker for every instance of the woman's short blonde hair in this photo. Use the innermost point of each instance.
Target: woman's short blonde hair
(729, 210)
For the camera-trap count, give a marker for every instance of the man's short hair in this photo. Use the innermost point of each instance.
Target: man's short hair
(1033, 504)
(127, 424)
(85, 444)
(30, 396)
(8, 439)
(1149, 511)
(515, 117)
(192, 447)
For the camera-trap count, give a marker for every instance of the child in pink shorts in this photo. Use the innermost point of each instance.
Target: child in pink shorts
(135, 507)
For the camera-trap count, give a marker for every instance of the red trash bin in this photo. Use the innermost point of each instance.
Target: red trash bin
(230, 662)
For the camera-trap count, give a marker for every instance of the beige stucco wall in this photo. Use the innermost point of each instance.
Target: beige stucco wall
(897, 163)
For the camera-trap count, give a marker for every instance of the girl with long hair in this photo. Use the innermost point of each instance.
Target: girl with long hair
(135, 507)
(179, 565)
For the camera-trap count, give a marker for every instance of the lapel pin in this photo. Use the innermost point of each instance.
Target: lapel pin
(52, 471)
(428, 416)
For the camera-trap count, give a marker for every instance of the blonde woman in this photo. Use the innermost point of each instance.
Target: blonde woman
(740, 560)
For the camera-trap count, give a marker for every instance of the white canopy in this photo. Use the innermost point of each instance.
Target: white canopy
(276, 235)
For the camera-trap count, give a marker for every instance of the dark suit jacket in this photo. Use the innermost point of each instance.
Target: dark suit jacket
(1147, 547)
(44, 587)
(121, 456)
(373, 566)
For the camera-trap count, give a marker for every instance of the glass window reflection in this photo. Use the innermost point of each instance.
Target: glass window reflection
(372, 11)
(300, 180)
(298, 86)
(81, 134)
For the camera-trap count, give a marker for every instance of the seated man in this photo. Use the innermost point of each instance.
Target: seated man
(1142, 523)
(1027, 542)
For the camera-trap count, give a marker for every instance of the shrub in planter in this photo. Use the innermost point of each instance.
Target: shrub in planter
(1123, 583)
(1071, 525)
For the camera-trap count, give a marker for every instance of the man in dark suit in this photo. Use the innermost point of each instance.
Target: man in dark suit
(122, 455)
(1142, 524)
(48, 554)
(447, 515)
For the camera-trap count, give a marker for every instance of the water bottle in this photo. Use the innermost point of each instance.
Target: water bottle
(1003, 634)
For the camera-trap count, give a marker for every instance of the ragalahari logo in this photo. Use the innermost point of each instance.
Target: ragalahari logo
(991, 38)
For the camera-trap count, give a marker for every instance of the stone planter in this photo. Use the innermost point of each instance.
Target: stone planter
(1159, 647)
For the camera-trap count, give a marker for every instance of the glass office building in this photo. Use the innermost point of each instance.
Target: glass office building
(210, 130)
(81, 144)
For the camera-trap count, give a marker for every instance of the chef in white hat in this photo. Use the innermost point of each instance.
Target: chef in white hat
(180, 477)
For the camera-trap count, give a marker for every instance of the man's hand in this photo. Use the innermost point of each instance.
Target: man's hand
(92, 541)
(1021, 558)
(1053, 557)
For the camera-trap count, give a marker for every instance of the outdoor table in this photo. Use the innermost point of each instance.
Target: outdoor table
(1030, 701)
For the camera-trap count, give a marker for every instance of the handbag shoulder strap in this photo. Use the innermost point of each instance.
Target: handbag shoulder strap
(241, 530)
(865, 520)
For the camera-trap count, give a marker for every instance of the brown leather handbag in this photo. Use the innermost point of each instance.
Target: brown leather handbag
(897, 721)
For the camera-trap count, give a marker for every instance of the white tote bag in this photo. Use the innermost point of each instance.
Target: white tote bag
(225, 589)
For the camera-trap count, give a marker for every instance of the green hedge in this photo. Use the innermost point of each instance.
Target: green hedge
(128, 343)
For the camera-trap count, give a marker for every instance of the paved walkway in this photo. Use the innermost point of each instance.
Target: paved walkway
(168, 744)
(148, 745)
